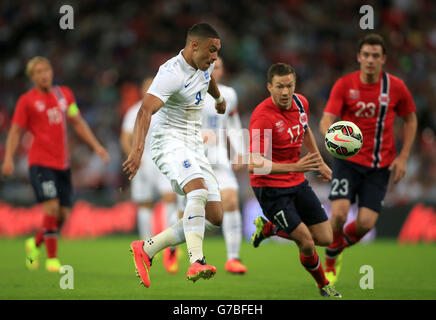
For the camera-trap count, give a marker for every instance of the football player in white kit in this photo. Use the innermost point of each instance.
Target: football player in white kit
(149, 184)
(176, 99)
(216, 129)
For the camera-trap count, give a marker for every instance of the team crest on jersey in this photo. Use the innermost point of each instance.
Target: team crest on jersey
(40, 106)
(63, 104)
(186, 163)
(354, 94)
(303, 119)
(279, 126)
(383, 99)
(206, 74)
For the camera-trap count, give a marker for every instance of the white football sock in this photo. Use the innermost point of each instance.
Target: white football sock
(171, 236)
(172, 215)
(144, 222)
(194, 222)
(209, 226)
(232, 231)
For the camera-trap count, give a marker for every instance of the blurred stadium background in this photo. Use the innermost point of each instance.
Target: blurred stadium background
(115, 44)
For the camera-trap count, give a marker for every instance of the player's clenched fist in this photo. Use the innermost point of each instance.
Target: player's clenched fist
(221, 107)
(7, 168)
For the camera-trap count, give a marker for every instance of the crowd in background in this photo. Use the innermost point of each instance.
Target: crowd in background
(115, 44)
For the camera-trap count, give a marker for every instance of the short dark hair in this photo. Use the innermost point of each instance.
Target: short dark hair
(373, 39)
(280, 69)
(202, 30)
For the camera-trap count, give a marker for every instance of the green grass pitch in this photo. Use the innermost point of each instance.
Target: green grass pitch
(103, 269)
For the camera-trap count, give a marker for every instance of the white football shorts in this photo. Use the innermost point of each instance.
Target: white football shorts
(149, 184)
(181, 164)
(226, 177)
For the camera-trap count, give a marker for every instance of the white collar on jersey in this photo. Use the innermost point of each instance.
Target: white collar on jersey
(184, 63)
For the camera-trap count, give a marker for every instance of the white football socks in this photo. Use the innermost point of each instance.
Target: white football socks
(232, 231)
(191, 227)
(194, 223)
(171, 236)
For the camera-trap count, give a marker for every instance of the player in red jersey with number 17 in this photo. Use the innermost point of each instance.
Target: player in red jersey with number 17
(371, 98)
(44, 111)
(278, 129)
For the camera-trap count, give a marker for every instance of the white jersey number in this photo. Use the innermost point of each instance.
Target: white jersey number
(294, 128)
(54, 116)
(366, 110)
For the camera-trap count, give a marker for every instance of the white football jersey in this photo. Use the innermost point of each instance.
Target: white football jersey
(221, 124)
(183, 90)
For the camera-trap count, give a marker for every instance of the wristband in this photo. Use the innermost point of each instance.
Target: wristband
(220, 99)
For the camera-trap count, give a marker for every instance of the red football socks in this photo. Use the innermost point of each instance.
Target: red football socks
(314, 266)
(39, 238)
(270, 229)
(351, 235)
(50, 227)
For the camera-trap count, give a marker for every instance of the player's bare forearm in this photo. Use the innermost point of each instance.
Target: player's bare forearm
(257, 162)
(83, 131)
(326, 121)
(213, 88)
(142, 124)
(410, 127)
(398, 166)
(215, 93)
(150, 105)
(260, 165)
(12, 141)
(309, 141)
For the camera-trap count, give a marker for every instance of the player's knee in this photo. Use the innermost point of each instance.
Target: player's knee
(169, 197)
(214, 213)
(339, 215)
(52, 207)
(146, 204)
(366, 220)
(198, 196)
(324, 241)
(230, 204)
(216, 220)
(365, 225)
(307, 245)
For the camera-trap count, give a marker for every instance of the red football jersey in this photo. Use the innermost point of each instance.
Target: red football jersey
(373, 111)
(44, 115)
(277, 135)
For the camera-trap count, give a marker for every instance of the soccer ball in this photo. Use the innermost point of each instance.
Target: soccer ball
(343, 139)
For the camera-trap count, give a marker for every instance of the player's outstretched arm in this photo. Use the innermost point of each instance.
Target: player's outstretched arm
(84, 132)
(326, 121)
(398, 166)
(12, 143)
(309, 142)
(260, 165)
(150, 105)
(215, 93)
